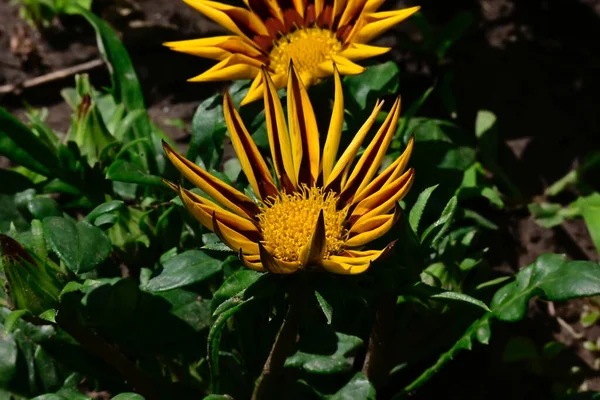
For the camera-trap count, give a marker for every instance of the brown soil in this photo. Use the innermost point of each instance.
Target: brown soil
(533, 63)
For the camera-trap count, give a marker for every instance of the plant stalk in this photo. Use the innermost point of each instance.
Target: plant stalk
(267, 382)
(376, 364)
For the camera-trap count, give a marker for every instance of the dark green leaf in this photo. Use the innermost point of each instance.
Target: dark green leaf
(359, 388)
(8, 357)
(551, 276)
(234, 284)
(123, 171)
(208, 132)
(128, 396)
(441, 226)
(187, 268)
(325, 307)
(12, 181)
(417, 209)
(42, 207)
(21, 145)
(81, 245)
(104, 208)
(590, 210)
(377, 81)
(323, 351)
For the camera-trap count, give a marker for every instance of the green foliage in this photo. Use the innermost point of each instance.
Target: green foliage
(112, 286)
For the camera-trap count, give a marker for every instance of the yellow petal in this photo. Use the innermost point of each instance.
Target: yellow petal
(334, 133)
(224, 194)
(279, 139)
(368, 229)
(377, 23)
(314, 251)
(241, 224)
(253, 164)
(277, 266)
(358, 51)
(236, 66)
(232, 239)
(352, 12)
(345, 161)
(257, 89)
(342, 268)
(253, 262)
(216, 48)
(237, 20)
(304, 133)
(392, 172)
(372, 6)
(369, 162)
(344, 66)
(385, 199)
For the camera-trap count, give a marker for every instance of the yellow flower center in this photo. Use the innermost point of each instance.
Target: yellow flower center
(288, 222)
(307, 47)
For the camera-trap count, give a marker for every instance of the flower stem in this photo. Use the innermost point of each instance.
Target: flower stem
(375, 366)
(284, 343)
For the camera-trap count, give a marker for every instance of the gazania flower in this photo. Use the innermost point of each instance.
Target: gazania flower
(313, 33)
(314, 211)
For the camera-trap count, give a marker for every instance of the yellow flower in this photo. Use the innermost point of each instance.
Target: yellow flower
(312, 33)
(314, 211)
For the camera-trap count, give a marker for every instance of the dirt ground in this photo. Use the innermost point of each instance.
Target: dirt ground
(534, 63)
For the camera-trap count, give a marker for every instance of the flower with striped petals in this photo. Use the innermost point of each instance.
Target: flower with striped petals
(314, 211)
(313, 34)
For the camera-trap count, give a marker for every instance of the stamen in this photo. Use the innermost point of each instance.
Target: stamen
(288, 221)
(307, 47)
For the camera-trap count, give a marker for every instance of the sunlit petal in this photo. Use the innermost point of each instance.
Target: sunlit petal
(277, 266)
(335, 129)
(377, 23)
(236, 66)
(252, 162)
(227, 196)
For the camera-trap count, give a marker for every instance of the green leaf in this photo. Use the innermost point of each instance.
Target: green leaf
(187, 268)
(325, 307)
(8, 357)
(124, 171)
(80, 245)
(128, 396)
(478, 330)
(104, 208)
(234, 284)
(12, 181)
(430, 292)
(590, 210)
(551, 276)
(127, 90)
(22, 146)
(323, 351)
(417, 209)
(377, 81)
(42, 207)
(441, 226)
(208, 132)
(359, 388)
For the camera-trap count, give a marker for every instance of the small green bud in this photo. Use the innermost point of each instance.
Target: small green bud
(33, 285)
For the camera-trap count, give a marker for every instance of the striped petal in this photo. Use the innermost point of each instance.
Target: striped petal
(314, 251)
(279, 139)
(236, 66)
(256, 90)
(369, 162)
(344, 66)
(377, 23)
(383, 200)
(368, 229)
(224, 194)
(345, 161)
(217, 48)
(392, 172)
(238, 20)
(277, 266)
(253, 164)
(253, 262)
(304, 133)
(358, 51)
(334, 133)
(353, 262)
(233, 239)
(352, 12)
